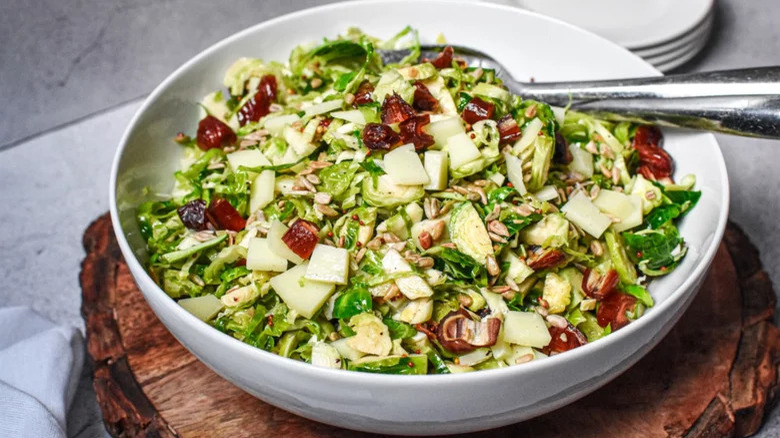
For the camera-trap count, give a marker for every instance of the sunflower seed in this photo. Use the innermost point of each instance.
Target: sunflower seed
(524, 210)
(596, 248)
(594, 191)
(320, 164)
(360, 254)
(390, 237)
(314, 179)
(496, 238)
(424, 262)
(322, 198)
(497, 227)
(494, 213)
(492, 265)
(437, 230)
(327, 211)
(481, 192)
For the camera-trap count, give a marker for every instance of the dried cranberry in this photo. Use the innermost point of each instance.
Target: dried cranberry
(193, 214)
(565, 338)
(612, 310)
(412, 132)
(224, 216)
(423, 99)
(395, 109)
(654, 162)
(213, 133)
(543, 259)
(260, 104)
(476, 110)
(508, 129)
(240, 262)
(377, 136)
(301, 238)
(562, 153)
(363, 93)
(443, 59)
(598, 286)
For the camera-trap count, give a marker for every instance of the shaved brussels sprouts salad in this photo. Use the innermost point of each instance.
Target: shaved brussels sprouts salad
(413, 218)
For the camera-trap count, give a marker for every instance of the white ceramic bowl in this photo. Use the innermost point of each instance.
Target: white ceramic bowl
(529, 45)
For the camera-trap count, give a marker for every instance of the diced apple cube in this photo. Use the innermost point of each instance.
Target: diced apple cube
(302, 295)
(526, 328)
(298, 141)
(328, 264)
(277, 245)
(627, 208)
(514, 171)
(633, 219)
(354, 116)
(247, 158)
(416, 311)
(442, 130)
(204, 307)
(412, 286)
(404, 166)
(415, 212)
(261, 258)
(613, 203)
(275, 124)
(461, 150)
(436, 168)
(581, 161)
(261, 193)
(322, 108)
(585, 215)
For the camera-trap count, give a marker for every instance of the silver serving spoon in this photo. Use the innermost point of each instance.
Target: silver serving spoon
(742, 102)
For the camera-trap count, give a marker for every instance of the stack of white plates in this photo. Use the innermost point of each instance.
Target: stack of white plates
(666, 33)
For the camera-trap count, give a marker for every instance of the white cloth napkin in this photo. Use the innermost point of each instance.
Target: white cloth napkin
(40, 364)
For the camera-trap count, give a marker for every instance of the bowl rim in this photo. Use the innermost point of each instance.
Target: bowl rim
(206, 331)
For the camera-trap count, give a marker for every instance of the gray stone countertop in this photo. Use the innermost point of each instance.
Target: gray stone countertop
(54, 183)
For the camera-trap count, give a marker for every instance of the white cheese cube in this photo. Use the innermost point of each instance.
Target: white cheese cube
(204, 307)
(442, 130)
(404, 167)
(302, 295)
(581, 161)
(526, 328)
(585, 215)
(627, 208)
(461, 150)
(436, 168)
(260, 258)
(328, 264)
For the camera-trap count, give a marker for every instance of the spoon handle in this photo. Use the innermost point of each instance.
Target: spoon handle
(752, 116)
(743, 82)
(742, 102)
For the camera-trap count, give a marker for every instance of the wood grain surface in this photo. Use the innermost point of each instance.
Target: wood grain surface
(714, 375)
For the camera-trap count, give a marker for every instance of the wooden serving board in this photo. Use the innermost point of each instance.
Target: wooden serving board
(714, 375)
